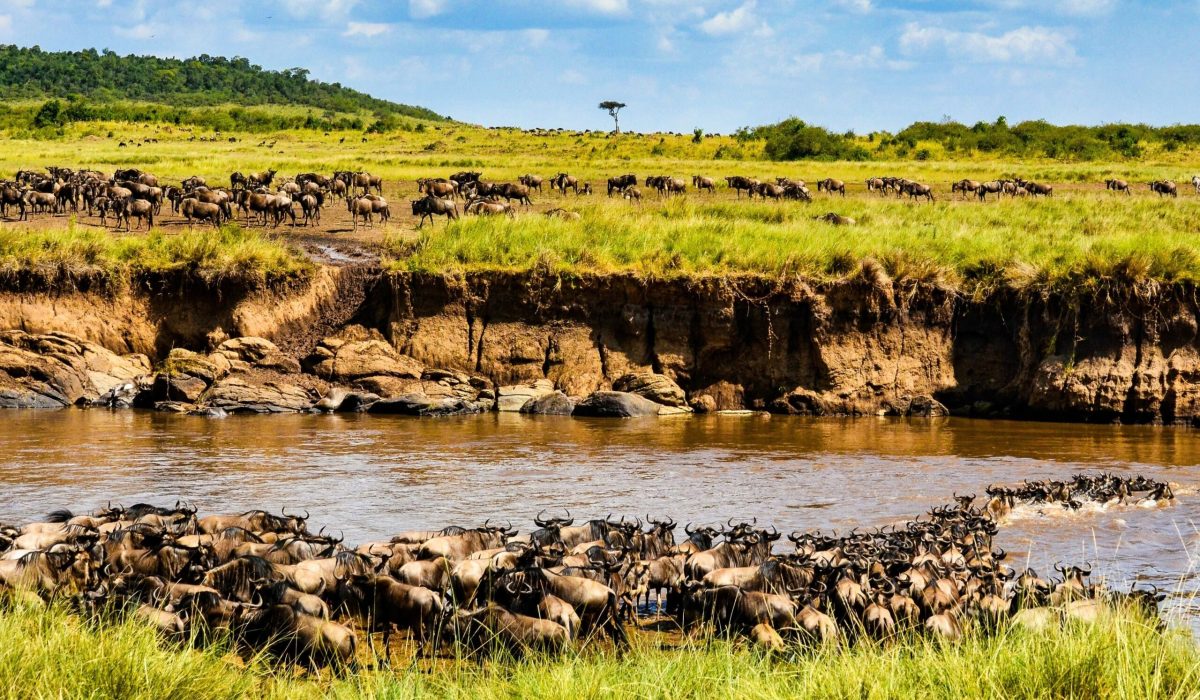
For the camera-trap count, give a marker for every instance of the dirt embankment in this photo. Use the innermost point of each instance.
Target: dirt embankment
(861, 346)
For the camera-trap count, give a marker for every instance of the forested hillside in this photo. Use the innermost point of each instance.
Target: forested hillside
(30, 73)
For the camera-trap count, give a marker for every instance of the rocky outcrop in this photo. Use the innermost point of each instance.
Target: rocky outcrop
(656, 387)
(553, 404)
(514, 397)
(362, 360)
(862, 345)
(238, 395)
(54, 370)
(616, 404)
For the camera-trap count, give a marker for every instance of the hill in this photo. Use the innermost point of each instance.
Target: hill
(30, 73)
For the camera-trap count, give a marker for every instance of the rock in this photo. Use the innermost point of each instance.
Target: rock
(925, 406)
(339, 360)
(420, 405)
(800, 402)
(257, 352)
(58, 369)
(19, 397)
(553, 404)
(674, 411)
(177, 387)
(331, 401)
(172, 407)
(513, 398)
(185, 362)
(703, 404)
(208, 412)
(236, 395)
(357, 402)
(920, 406)
(248, 349)
(658, 388)
(615, 404)
(390, 386)
(120, 396)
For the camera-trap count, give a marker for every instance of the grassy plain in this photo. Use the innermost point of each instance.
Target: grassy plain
(1083, 236)
(50, 654)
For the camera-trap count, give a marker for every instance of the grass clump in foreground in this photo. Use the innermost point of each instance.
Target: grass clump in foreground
(50, 653)
(213, 255)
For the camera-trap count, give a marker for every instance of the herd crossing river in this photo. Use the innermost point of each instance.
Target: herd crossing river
(373, 476)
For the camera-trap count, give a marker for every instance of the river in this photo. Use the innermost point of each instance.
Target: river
(370, 476)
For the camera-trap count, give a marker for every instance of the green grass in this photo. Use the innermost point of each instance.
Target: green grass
(48, 653)
(213, 255)
(1083, 237)
(1080, 239)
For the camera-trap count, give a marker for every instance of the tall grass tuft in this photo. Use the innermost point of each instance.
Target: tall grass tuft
(226, 253)
(49, 653)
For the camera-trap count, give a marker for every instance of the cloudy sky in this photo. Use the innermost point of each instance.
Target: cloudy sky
(681, 64)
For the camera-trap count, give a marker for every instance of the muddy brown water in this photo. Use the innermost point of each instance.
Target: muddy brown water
(370, 476)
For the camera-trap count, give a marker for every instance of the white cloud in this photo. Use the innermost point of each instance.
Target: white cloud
(325, 9)
(604, 7)
(1088, 7)
(572, 77)
(366, 29)
(144, 30)
(1021, 45)
(535, 38)
(420, 9)
(1082, 8)
(861, 6)
(735, 21)
(5, 24)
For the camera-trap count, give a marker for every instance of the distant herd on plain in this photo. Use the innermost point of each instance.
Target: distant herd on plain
(271, 584)
(265, 199)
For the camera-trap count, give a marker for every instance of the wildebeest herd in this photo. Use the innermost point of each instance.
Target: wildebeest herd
(266, 199)
(270, 583)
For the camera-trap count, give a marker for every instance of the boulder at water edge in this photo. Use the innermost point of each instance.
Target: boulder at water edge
(659, 388)
(615, 404)
(513, 398)
(555, 403)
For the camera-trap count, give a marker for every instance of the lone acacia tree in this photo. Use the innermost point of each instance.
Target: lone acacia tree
(612, 107)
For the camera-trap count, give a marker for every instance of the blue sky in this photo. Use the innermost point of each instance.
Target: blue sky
(681, 64)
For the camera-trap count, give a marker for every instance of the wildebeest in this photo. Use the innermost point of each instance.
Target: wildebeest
(533, 182)
(703, 183)
(431, 206)
(965, 186)
(1164, 188)
(1118, 186)
(831, 185)
(618, 184)
(739, 183)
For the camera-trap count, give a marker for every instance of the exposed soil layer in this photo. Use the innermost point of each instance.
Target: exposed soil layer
(860, 346)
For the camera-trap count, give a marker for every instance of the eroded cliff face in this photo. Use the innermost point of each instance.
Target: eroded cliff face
(861, 346)
(864, 345)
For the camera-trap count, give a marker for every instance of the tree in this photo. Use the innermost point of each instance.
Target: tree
(612, 107)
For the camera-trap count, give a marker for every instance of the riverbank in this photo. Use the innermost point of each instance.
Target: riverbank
(357, 338)
(52, 654)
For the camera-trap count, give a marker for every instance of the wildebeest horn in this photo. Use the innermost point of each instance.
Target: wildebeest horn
(305, 514)
(538, 519)
(688, 529)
